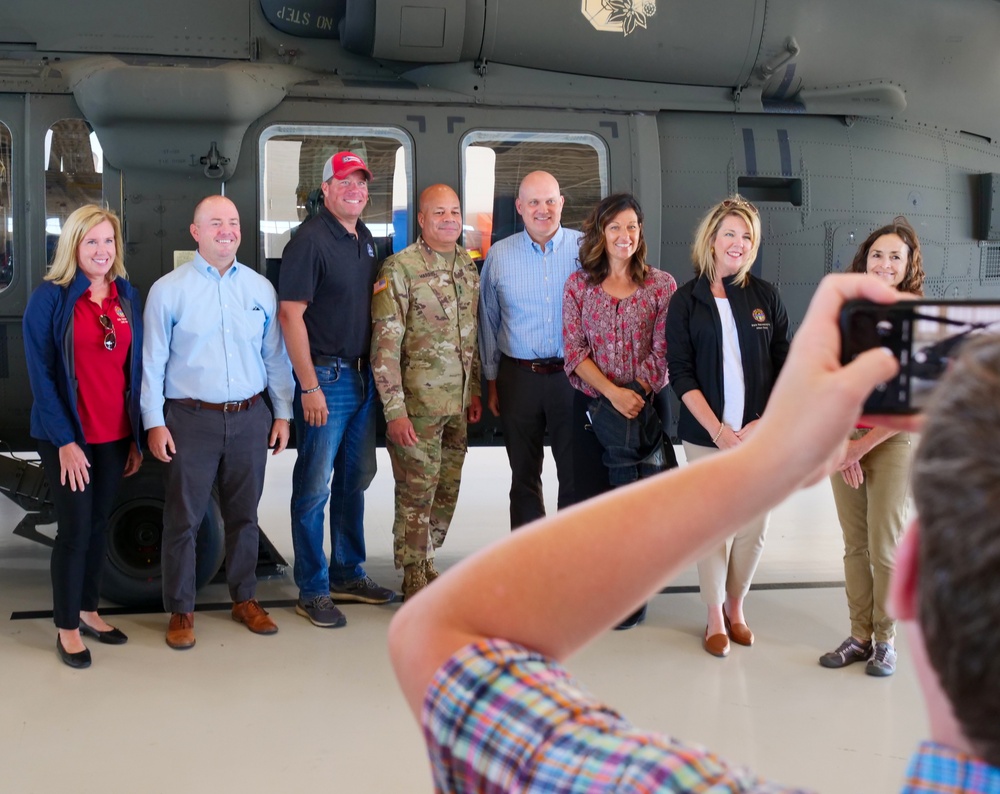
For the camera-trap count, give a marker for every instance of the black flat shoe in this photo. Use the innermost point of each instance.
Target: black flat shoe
(633, 620)
(78, 660)
(110, 637)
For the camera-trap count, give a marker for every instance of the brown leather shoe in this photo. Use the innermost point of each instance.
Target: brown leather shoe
(740, 632)
(180, 631)
(717, 644)
(251, 614)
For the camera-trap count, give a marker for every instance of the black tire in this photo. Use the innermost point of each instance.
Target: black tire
(132, 575)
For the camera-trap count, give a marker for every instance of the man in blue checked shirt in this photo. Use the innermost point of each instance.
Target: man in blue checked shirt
(520, 344)
(214, 346)
(500, 713)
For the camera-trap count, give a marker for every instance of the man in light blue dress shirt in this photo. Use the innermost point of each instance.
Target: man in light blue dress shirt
(215, 347)
(520, 342)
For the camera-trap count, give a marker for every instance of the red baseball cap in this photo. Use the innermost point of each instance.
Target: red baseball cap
(342, 164)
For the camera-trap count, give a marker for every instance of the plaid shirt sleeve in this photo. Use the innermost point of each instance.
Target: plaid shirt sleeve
(937, 769)
(499, 718)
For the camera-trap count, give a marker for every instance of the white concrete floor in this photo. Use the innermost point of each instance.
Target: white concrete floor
(312, 709)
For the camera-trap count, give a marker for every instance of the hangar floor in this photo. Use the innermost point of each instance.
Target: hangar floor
(312, 709)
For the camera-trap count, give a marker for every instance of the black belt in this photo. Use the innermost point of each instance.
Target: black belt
(541, 366)
(227, 408)
(358, 363)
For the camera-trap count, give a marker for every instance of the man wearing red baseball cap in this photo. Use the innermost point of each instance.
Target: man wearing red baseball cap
(325, 285)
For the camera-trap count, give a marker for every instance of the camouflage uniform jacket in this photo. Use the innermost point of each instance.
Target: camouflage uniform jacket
(425, 357)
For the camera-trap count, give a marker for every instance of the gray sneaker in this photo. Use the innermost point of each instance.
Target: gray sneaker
(883, 661)
(848, 652)
(322, 612)
(363, 591)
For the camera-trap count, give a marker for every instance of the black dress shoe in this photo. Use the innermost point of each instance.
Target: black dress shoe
(633, 620)
(110, 637)
(77, 660)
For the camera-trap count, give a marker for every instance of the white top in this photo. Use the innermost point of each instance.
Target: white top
(733, 388)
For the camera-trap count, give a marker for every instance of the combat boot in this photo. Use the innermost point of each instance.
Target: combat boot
(430, 572)
(414, 579)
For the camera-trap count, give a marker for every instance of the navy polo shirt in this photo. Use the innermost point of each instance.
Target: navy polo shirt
(334, 272)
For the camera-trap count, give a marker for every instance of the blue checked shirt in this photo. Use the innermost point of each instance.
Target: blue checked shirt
(936, 769)
(520, 297)
(213, 338)
(499, 718)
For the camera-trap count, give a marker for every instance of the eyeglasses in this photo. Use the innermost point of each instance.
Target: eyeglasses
(110, 340)
(739, 201)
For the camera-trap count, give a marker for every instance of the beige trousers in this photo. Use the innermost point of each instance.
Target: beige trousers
(729, 567)
(872, 518)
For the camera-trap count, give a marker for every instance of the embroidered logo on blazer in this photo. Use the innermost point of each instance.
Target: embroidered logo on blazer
(759, 316)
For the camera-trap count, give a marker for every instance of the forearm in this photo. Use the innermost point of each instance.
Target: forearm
(590, 374)
(859, 447)
(694, 400)
(625, 531)
(297, 344)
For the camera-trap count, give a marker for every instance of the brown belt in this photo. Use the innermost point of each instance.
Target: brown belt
(541, 366)
(226, 408)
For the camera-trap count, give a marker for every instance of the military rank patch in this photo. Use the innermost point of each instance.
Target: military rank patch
(380, 285)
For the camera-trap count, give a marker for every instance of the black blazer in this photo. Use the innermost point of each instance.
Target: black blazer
(694, 347)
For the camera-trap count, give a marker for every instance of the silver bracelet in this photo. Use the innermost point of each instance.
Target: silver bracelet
(315, 388)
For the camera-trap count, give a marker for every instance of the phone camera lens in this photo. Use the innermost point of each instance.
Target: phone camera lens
(883, 328)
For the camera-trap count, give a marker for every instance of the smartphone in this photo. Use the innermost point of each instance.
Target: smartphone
(924, 335)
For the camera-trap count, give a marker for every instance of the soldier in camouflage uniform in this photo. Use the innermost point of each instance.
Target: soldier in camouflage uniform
(425, 360)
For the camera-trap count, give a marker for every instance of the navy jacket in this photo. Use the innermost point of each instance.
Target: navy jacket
(694, 347)
(48, 347)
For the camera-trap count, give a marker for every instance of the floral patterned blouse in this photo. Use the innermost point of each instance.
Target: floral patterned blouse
(625, 337)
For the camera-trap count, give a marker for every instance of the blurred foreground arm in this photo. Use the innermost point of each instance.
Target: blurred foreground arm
(538, 587)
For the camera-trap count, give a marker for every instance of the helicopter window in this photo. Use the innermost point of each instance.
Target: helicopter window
(495, 162)
(6, 211)
(293, 157)
(74, 175)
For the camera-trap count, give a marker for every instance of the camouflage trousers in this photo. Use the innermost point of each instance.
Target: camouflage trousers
(427, 478)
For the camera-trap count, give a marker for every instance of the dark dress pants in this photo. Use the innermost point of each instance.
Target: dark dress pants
(81, 540)
(230, 447)
(590, 475)
(530, 404)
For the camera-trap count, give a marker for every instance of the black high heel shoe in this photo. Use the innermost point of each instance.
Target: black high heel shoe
(78, 660)
(112, 636)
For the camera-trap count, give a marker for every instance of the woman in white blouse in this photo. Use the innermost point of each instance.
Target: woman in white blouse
(727, 338)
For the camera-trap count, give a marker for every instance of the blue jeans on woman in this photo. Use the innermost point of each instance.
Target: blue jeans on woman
(345, 446)
(633, 448)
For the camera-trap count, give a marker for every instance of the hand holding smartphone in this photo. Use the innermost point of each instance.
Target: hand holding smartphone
(925, 336)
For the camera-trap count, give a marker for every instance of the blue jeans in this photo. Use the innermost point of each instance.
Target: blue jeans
(633, 448)
(345, 446)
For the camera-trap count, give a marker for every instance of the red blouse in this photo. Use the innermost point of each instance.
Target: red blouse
(625, 338)
(100, 373)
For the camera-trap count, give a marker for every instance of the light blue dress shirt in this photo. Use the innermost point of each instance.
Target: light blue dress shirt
(520, 297)
(213, 338)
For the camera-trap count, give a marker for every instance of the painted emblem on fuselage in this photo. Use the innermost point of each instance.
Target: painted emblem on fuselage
(618, 16)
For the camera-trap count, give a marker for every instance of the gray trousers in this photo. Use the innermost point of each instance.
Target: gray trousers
(212, 445)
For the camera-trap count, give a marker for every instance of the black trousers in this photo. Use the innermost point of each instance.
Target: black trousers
(81, 539)
(590, 475)
(230, 447)
(530, 404)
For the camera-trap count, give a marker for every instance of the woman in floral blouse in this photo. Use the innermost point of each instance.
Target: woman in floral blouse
(614, 321)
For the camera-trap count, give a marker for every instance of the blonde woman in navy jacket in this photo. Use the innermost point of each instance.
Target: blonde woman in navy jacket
(82, 340)
(727, 338)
